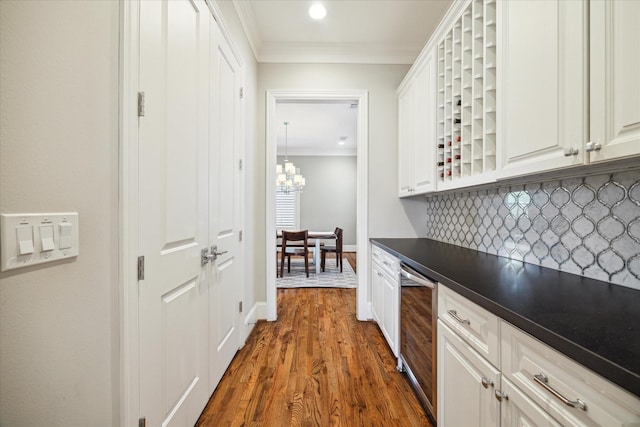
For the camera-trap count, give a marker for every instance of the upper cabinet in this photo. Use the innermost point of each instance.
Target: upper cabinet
(571, 91)
(614, 80)
(466, 144)
(416, 129)
(544, 77)
(521, 87)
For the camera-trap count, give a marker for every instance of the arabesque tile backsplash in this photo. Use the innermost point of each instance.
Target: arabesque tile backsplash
(588, 226)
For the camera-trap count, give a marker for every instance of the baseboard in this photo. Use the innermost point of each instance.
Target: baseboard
(349, 248)
(257, 312)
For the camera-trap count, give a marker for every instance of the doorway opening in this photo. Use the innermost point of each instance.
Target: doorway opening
(358, 100)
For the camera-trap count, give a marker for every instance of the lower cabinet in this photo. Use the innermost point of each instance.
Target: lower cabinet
(385, 288)
(529, 384)
(466, 384)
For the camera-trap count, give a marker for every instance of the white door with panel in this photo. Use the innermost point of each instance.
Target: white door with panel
(173, 202)
(225, 212)
(466, 397)
(417, 130)
(190, 190)
(544, 78)
(614, 80)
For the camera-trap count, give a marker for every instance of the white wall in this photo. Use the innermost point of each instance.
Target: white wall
(388, 216)
(59, 351)
(329, 197)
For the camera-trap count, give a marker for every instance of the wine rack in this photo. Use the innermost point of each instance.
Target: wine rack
(467, 97)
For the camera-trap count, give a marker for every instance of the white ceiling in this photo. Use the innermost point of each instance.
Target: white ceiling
(316, 127)
(354, 31)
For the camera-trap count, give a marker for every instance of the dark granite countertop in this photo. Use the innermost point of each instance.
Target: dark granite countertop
(595, 323)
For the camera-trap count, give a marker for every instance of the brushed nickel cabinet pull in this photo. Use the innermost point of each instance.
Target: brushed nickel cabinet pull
(543, 381)
(454, 314)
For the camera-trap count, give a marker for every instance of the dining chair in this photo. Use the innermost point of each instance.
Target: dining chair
(337, 249)
(298, 246)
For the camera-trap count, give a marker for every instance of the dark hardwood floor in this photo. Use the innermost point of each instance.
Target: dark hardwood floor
(317, 365)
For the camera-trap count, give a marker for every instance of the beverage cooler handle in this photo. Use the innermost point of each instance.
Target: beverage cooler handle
(411, 274)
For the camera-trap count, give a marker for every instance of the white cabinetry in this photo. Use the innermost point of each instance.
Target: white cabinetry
(385, 288)
(416, 129)
(466, 383)
(614, 79)
(571, 92)
(548, 377)
(528, 383)
(544, 78)
(466, 145)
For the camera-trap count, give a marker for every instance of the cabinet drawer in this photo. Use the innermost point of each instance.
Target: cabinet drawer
(388, 263)
(474, 324)
(524, 358)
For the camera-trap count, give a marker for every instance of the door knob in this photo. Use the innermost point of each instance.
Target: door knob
(205, 257)
(215, 254)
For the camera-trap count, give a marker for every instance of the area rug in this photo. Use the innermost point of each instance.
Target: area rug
(329, 278)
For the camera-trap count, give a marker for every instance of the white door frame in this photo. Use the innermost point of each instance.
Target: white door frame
(128, 217)
(363, 309)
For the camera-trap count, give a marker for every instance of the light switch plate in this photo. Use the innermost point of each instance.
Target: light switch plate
(46, 238)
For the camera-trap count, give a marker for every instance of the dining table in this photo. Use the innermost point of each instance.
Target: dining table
(318, 236)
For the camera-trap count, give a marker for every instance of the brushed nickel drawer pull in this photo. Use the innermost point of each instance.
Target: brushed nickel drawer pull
(543, 381)
(486, 382)
(454, 314)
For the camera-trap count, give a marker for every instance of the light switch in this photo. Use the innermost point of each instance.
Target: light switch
(46, 237)
(28, 239)
(24, 233)
(65, 235)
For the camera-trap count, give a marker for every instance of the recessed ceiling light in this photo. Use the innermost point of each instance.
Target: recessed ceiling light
(317, 11)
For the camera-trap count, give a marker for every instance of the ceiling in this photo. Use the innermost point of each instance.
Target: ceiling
(354, 31)
(316, 127)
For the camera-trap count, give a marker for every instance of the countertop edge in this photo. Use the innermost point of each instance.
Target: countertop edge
(616, 374)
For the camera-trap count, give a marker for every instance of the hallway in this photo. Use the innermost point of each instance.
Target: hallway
(316, 366)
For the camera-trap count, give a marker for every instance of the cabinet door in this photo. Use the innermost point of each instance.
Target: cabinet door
(544, 85)
(405, 138)
(391, 311)
(424, 118)
(518, 410)
(615, 79)
(376, 289)
(463, 400)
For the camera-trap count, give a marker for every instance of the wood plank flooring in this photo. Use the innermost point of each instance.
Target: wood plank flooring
(317, 365)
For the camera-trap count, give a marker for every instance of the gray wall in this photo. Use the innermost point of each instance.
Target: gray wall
(588, 226)
(329, 197)
(59, 322)
(388, 215)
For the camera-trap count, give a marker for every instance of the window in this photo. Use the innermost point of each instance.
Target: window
(288, 211)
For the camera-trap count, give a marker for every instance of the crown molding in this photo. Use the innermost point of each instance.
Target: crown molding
(310, 53)
(249, 24)
(337, 53)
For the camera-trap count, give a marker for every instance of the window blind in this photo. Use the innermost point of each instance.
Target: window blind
(287, 211)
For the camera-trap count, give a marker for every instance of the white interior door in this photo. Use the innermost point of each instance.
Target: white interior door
(224, 207)
(173, 203)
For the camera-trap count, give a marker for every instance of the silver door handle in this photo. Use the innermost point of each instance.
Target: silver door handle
(411, 274)
(569, 151)
(486, 382)
(592, 146)
(214, 252)
(543, 381)
(454, 314)
(205, 257)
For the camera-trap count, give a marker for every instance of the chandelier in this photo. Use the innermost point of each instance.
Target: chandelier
(288, 177)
